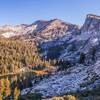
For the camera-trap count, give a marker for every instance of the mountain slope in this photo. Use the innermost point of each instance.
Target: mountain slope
(82, 50)
(39, 31)
(75, 49)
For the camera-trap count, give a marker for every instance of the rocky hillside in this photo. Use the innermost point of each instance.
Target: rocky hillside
(40, 30)
(71, 46)
(8, 31)
(81, 49)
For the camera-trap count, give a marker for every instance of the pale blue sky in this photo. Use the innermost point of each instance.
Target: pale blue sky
(28, 11)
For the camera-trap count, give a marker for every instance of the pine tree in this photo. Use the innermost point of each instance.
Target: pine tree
(2, 87)
(1, 97)
(7, 90)
(16, 93)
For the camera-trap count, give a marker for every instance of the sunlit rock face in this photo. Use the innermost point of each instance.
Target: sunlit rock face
(40, 31)
(9, 31)
(49, 30)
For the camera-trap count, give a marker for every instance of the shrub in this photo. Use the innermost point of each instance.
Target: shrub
(69, 97)
(82, 58)
(57, 98)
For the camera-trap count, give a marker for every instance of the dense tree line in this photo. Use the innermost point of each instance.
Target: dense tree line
(15, 54)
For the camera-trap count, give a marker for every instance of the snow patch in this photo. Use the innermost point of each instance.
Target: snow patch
(8, 34)
(95, 40)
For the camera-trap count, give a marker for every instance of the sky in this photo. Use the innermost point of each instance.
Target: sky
(15, 12)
